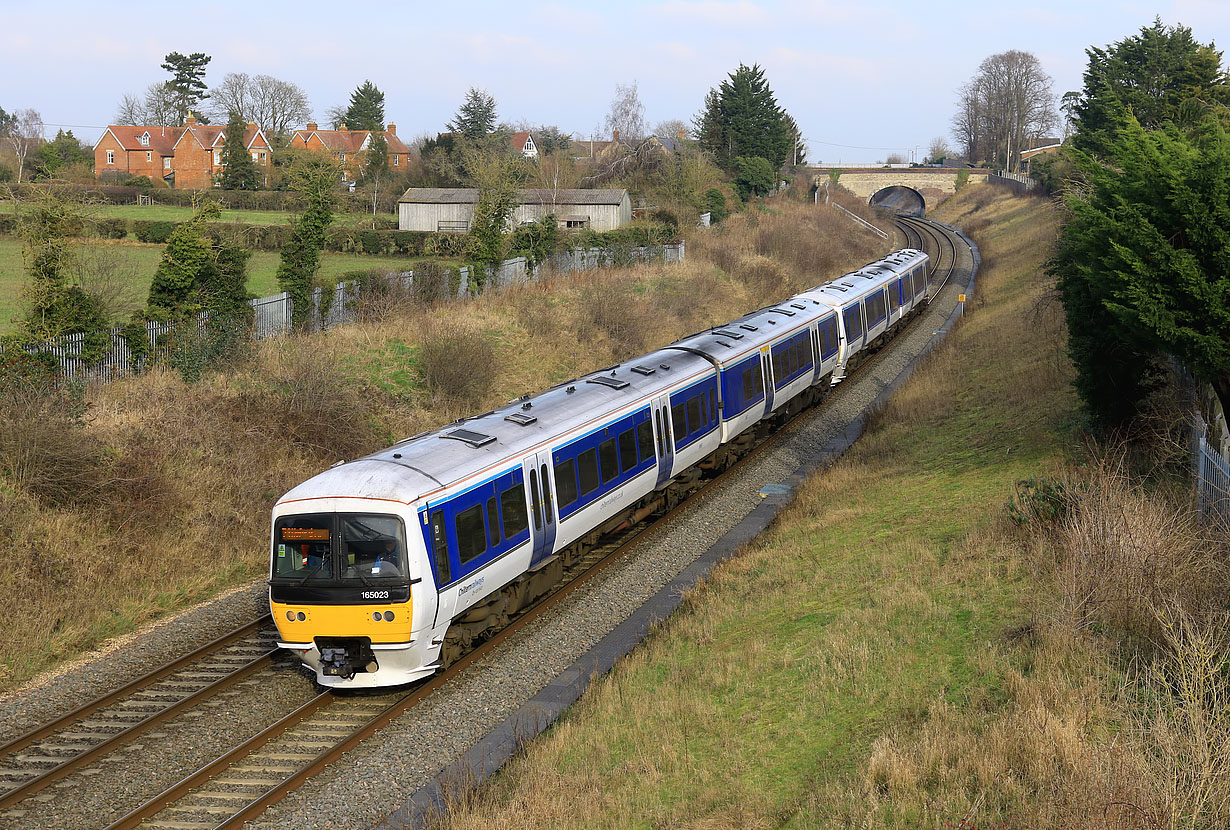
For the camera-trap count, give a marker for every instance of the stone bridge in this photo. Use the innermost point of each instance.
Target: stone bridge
(912, 190)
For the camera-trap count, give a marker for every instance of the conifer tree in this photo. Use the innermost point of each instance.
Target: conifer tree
(314, 176)
(240, 172)
(187, 84)
(476, 116)
(366, 110)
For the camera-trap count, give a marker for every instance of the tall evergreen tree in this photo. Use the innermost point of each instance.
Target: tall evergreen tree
(185, 266)
(187, 84)
(240, 172)
(742, 118)
(1152, 75)
(314, 176)
(366, 110)
(476, 116)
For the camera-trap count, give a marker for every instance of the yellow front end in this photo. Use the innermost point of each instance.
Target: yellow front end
(304, 623)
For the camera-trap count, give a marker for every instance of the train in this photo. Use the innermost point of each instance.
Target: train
(386, 568)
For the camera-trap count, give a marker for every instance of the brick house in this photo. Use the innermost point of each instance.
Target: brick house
(187, 157)
(523, 143)
(348, 147)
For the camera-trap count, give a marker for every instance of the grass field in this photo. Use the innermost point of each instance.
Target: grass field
(132, 265)
(176, 213)
(884, 608)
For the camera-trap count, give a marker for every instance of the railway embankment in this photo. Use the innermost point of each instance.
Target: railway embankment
(893, 651)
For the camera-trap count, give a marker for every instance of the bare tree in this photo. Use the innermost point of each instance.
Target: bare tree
(1006, 105)
(22, 135)
(131, 111)
(939, 149)
(272, 104)
(671, 128)
(627, 113)
(335, 117)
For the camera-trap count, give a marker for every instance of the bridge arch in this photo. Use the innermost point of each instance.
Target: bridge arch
(901, 199)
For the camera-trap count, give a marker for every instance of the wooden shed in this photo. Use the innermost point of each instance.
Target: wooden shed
(452, 208)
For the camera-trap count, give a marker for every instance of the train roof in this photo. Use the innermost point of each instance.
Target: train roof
(483, 445)
(744, 337)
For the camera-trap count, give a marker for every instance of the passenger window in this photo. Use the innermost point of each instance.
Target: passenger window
(757, 381)
(439, 545)
(704, 408)
(693, 414)
(657, 421)
(587, 468)
(644, 440)
(512, 505)
(608, 460)
(471, 538)
(535, 501)
(713, 405)
(627, 450)
(679, 422)
(493, 522)
(749, 390)
(566, 482)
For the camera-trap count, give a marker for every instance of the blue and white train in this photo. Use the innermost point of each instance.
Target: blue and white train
(387, 567)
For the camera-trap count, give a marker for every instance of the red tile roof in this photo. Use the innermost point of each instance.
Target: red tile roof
(349, 141)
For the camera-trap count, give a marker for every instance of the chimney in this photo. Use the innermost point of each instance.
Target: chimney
(391, 129)
(311, 126)
(190, 121)
(681, 134)
(251, 125)
(615, 134)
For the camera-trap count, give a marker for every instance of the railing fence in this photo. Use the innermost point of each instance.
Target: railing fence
(272, 316)
(1211, 471)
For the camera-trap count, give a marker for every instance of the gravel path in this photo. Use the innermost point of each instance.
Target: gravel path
(366, 784)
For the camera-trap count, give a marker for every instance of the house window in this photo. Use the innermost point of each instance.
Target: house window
(395, 157)
(144, 139)
(262, 158)
(343, 156)
(166, 163)
(149, 155)
(217, 156)
(110, 157)
(253, 155)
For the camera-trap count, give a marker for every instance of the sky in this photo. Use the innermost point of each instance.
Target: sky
(862, 79)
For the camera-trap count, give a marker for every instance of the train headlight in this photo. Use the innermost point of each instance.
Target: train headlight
(388, 616)
(376, 616)
(302, 616)
(290, 615)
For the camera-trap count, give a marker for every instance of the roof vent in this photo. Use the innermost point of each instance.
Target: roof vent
(666, 367)
(799, 306)
(785, 311)
(469, 436)
(644, 370)
(604, 380)
(748, 327)
(734, 335)
(521, 418)
(570, 389)
(526, 405)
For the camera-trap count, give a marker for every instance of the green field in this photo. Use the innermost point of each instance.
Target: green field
(175, 213)
(133, 264)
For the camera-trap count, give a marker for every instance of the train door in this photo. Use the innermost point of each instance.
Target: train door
(437, 548)
(766, 366)
(537, 469)
(662, 437)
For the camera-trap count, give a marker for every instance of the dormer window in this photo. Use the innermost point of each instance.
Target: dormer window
(144, 139)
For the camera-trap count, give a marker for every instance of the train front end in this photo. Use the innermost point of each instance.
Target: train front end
(348, 591)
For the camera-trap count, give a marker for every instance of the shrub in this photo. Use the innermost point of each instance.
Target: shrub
(111, 228)
(142, 182)
(8, 224)
(43, 447)
(715, 203)
(156, 231)
(457, 361)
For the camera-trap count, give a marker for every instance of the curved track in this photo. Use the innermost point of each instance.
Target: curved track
(241, 784)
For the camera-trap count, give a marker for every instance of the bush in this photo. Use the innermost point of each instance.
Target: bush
(111, 228)
(457, 361)
(8, 224)
(715, 203)
(155, 231)
(142, 182)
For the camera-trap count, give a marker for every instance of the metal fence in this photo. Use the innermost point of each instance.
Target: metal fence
(1212, 473)
(1018, 183)
(272, 315)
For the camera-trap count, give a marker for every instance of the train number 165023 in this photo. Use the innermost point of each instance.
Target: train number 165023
(375, 595)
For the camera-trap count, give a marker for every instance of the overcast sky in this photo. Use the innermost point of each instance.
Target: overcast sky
(863, 78)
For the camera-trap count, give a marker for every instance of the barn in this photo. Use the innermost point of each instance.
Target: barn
(452, 208)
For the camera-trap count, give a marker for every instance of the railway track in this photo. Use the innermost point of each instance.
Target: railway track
(39, 758)
(242, 783)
